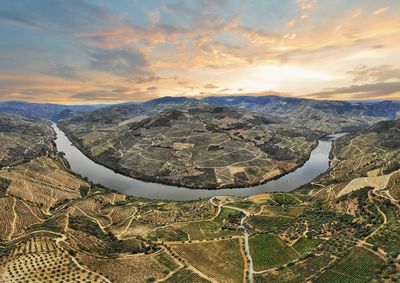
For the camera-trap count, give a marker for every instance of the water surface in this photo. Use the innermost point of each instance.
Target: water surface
(81, 164)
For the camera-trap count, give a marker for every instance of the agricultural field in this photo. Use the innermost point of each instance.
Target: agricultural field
(269, 223)
(21, 214)
(360, 265)
(247, 205)
(225, 224)
(129, 268)
(304, 245)
(269, 251)
(285, 199)
(301, 271)
(221, 260)
(41, 259)
(43, 182)
(184, 276)
(65, 228)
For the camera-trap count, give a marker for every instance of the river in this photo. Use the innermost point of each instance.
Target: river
(81, 164)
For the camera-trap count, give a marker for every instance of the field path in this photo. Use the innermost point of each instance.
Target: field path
(14, 220)
(249, 265)
(381, 212)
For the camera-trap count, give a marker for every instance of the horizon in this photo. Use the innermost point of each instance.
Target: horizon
(84, 52)
(199, 98)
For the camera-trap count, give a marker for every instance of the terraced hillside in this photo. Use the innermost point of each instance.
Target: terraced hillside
(22, 139)
(202, 147)
(57, 227)
(104, 236)
(370, 158)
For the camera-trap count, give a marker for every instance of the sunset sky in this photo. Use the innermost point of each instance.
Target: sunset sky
(90, 51)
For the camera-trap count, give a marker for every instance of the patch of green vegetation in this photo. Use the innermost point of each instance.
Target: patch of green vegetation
(269, 223)
(285, 199)
(299, 272)
(360, 265)
(4, 184)
(168, 234)
(206, 230)
(229, 214)
(293, 211)
(268, 251)
(56, 224)
(84, 224)
(166, 261)
(184, 276)
(388, 237)
(331, 276)
(305, 245)
(5, 251)
(322, 221)
(127, 246)
(246, 205)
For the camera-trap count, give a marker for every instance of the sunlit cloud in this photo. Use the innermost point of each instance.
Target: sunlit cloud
(380, 73)
(306, 4)
(83, 51)
(367, 91)
(380, 11)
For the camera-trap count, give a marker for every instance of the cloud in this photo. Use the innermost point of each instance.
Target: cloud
(17, 19)
(152, 88)
(367, 91)
(306, 4)
(197, 42)
(210, 86)
(119, 62)
(67, 16)
(376, 74)
(145, 79)
(112, 96)
(64, 71)
(380, 11)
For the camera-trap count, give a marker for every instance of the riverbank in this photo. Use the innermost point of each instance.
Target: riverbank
(317, 163)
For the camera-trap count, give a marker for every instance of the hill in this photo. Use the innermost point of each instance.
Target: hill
(370, 154)
(319, 115)
(201, 147)
(67, 229)
(41, 110)
(21, 139)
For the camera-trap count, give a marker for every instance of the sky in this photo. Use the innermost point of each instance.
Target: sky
(91, 51)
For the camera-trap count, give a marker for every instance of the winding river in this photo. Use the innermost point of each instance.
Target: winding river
(81, 164)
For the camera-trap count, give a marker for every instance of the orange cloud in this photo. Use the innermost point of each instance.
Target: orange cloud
(306, 4)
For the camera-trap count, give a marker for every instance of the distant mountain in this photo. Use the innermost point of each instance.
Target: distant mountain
(318, 115)
(42, 110)
(171, 100)
(321, 115)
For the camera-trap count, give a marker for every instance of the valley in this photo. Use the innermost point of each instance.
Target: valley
(340, 227)
(203, 141)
